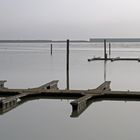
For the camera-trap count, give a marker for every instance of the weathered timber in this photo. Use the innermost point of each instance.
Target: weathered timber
(51, 90)
(80, 104)
(67, 65)
(2, 83)
(50, 85)
(83, 98)
(114, 59)
(104, 86)
(51, 49)
(109, 50)
(12, 100)
(105, 54)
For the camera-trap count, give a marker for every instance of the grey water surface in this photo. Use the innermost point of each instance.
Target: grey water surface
(30, 65)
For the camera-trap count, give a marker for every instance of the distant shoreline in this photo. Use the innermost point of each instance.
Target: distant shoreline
(91, 40)
(42, 41)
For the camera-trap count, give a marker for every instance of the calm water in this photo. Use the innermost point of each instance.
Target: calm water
(30, 65)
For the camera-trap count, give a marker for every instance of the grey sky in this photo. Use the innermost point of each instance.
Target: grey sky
(74, 19)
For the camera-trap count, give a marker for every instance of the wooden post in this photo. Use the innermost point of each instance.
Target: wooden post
(51, 49)
(109, 50)
(105, 54)
(67, 65)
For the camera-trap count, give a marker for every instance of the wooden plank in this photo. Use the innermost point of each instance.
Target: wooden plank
(67, 65)
(114, 59)
(2, 83)
(50, 85)
(104, 86)
(81, 100)
(122, 93)
(83, 97)
(80, 104)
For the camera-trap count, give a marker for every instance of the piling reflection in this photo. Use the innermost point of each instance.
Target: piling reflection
(105, 70)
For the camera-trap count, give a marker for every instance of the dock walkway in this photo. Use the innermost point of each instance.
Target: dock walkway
(83, 98)
(114, 59)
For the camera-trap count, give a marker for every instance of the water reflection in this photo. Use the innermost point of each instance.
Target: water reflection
(105, 70)
(76, 111)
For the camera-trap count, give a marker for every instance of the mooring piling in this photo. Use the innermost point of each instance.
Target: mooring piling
(67, 65)
(105, 54)
(109, 50)
(51, 49)
(106, 58)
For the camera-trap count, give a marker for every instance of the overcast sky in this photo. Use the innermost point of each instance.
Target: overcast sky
(73, 19)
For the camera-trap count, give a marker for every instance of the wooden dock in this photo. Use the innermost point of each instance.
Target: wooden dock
(113, 59)
(106, 58)
(83, 98)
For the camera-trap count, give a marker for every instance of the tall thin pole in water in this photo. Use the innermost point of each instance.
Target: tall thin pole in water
(109, 50)
(51, 49)
(67, 65)
(105, 54)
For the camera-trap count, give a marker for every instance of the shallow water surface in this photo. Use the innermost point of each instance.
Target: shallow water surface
(31, 65)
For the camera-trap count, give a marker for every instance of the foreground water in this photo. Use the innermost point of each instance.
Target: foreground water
(30, 65)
